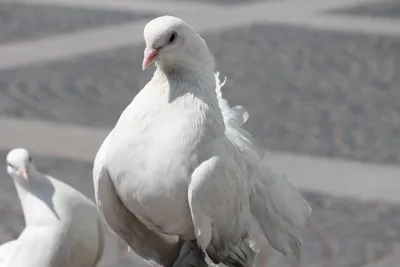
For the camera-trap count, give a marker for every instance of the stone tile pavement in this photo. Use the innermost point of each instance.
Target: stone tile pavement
(320, 79)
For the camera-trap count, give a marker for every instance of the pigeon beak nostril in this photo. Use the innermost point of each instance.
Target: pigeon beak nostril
(24, 173)
(149, 56)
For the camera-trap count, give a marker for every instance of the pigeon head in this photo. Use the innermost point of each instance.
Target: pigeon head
(19, 163)
(172, 43)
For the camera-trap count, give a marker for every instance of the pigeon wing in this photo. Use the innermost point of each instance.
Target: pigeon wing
(217, 200)
(40, 246)
(151, 246)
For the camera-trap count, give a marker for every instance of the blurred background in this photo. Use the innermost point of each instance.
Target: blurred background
(320, 79)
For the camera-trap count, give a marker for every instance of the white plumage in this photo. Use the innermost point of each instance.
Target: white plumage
(6, 249)
(62, 225)
(178, 166)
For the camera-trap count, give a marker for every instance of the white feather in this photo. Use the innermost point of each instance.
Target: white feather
(278, 207)
(6, 249)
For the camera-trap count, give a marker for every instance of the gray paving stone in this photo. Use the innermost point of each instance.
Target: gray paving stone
(347, 232)
(341, 232)
(308, 91)
(90, 90)
(21, 21)
(384, 9)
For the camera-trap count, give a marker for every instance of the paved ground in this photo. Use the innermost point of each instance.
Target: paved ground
(320, 78)
(24, 22)
(386, 8)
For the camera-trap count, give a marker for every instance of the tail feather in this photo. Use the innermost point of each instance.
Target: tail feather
(278, 207)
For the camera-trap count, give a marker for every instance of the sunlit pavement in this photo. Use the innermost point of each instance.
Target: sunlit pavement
(319, 78)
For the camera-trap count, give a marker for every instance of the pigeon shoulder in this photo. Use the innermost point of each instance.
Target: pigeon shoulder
(68, 194)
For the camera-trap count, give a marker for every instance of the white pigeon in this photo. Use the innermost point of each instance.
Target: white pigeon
(178, 166)
(62, 226)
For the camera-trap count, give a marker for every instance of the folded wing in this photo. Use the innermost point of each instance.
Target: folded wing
(151, 246)
(278, 207)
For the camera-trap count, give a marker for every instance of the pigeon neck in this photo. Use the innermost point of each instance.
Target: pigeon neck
(192, 76)
(189, 76)
(36, 199)
(196, 68)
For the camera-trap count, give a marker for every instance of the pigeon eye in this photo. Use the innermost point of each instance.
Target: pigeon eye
(172, 38)
(30, 159)
(10, 165)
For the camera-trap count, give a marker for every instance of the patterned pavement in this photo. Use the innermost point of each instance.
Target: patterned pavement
(23, 22)
(383, 9)
(320, 92)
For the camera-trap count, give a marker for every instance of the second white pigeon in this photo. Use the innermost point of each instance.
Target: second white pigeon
(63, 228)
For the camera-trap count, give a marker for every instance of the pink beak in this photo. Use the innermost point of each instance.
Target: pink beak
(24, 173)
(149, 56)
